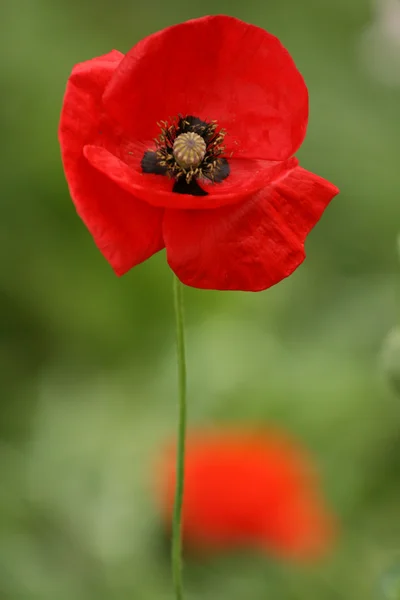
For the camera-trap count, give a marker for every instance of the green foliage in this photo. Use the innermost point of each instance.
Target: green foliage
(88, 376)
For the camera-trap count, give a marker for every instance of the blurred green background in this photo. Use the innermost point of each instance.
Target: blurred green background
(87, 360)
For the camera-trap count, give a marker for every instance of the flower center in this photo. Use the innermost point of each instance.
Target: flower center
(189, 150)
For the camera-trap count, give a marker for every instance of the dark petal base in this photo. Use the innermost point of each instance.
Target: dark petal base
(221, 171)
(189, 123)
(192, 188)
(150, 164)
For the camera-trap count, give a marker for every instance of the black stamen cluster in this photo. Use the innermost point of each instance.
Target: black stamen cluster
(214, 167)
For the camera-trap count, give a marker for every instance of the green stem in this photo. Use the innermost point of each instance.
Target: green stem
(180, 462)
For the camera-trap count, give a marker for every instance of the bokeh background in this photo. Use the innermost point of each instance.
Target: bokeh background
(87, 360)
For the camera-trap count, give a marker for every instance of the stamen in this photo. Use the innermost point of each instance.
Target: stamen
(189, 151)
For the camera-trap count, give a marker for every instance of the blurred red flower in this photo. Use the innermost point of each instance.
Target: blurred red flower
(248, 488)
(216, 183)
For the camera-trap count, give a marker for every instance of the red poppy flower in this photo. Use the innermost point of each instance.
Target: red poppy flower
(247, 488)
(187, 143)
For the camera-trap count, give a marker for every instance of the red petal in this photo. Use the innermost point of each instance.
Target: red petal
(252, 245)
(248, 487)
(214, 68)
(246, 177)
(126, 230)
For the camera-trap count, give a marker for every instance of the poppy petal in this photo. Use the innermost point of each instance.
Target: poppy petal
(126, 230)
(246, 177)
(247, 487)
(301, 528)
(216, 68)
(252, 245)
